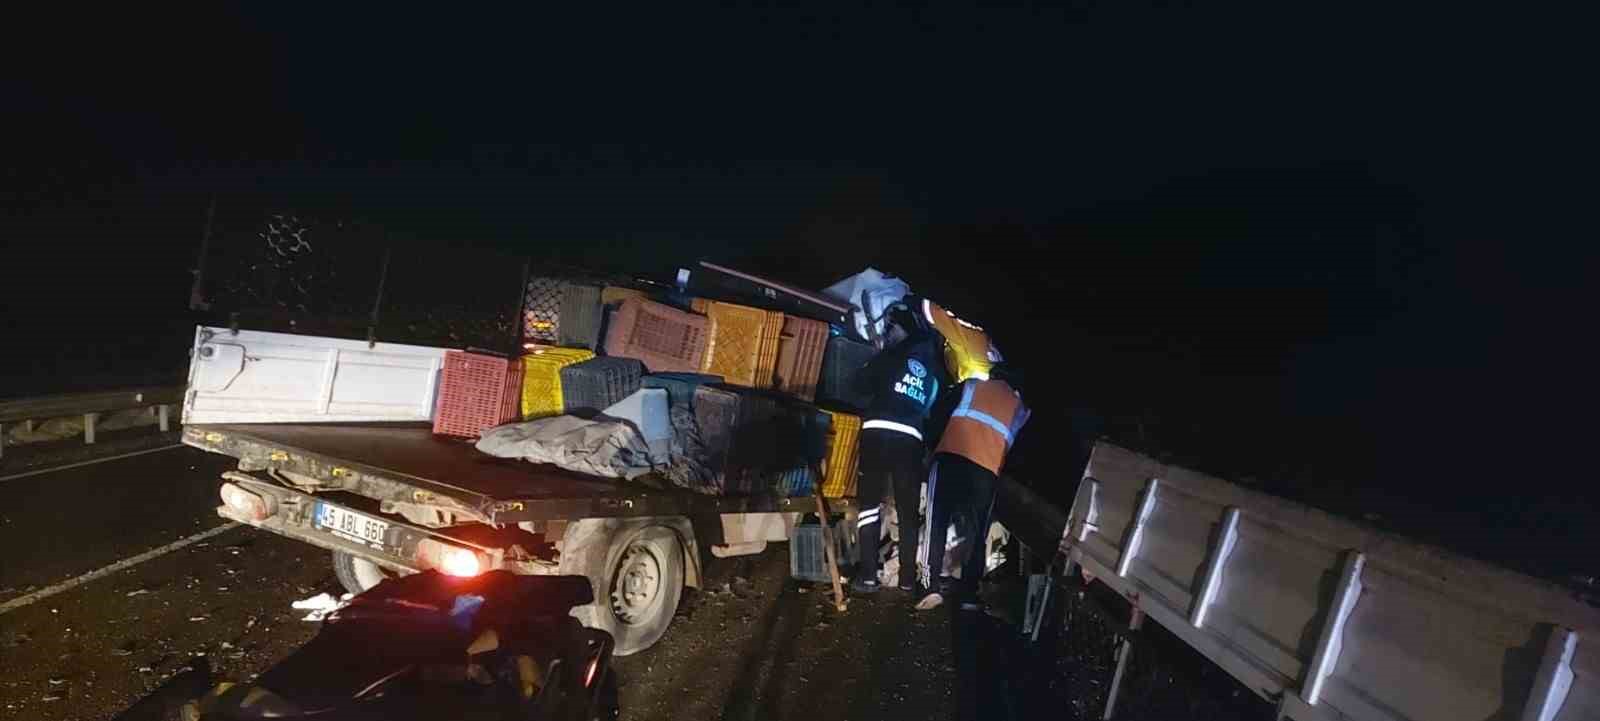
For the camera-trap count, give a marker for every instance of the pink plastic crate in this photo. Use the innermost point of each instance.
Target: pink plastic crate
(476, 393)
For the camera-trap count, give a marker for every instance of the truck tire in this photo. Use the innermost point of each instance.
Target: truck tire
(638, 580)
(357, 574)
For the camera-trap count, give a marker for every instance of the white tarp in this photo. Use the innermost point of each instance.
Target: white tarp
(646, 409)
(882, 291)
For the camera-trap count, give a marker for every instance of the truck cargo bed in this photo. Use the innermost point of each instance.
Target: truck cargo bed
(391, 457)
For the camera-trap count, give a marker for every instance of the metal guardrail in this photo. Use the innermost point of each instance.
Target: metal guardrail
(90, 406)
(1327, 618)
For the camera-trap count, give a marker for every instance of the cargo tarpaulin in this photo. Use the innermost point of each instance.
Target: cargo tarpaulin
(603, 447)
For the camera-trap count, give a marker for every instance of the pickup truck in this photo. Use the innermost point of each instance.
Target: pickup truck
(334, 450)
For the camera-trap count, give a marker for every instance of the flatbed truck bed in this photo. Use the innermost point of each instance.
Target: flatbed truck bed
(392, 498)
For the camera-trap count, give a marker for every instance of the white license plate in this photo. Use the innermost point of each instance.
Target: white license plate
(351, 525)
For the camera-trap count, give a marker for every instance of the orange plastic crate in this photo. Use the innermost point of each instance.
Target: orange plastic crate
(737, 332)
(800, 350)
(844, 455)
(664, 338)
(767, 356)
(476, 392)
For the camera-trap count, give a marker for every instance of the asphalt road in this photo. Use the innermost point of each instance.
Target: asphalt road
(753, 645)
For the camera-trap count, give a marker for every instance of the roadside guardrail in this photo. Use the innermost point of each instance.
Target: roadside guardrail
(90, 406)
(1328, 619)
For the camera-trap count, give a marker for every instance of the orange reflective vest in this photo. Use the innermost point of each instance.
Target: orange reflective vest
(984, 423)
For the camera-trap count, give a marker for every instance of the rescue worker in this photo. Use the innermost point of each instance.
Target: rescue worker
(903, 382)
(987, 414)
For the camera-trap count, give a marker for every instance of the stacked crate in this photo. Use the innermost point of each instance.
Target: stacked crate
(800, 350)
(739, 335)
(665, 339)
(579, 322)
(844, 456)
(476, 392)
(807, 561)
(595, 384)
(541, 387)
(840, 363)
(541, 310)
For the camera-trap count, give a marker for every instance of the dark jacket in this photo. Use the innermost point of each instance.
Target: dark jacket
(904, 382)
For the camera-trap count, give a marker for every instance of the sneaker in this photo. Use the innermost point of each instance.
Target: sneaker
(930, 602)
(864, 587)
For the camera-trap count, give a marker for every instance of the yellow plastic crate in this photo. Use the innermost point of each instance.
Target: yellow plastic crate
(844, 455)
(541, 380)
(737, 334)
(767, 354)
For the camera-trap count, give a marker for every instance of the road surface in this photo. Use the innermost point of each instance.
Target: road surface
(755, 645)
(752, 645)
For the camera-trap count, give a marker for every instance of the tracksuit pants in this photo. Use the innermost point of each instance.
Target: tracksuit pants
(957, 486)
(891, 462)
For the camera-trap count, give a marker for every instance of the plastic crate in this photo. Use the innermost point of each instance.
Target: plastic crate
(579, 321)
(737, 334)
(807, 558)
(679, 386)
(611, 295)
(840, 469)
(746, 437)
(664, 338)
(476, 393)
(541, 385)
(595, 384)
(767, 355)
(541, 310)
(796, 482)
(840, 362)
(800, 350)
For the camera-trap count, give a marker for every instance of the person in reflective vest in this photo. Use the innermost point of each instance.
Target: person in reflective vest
(979, 432)
(903, 382)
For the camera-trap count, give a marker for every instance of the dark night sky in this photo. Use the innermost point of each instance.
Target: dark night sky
(1305, 243)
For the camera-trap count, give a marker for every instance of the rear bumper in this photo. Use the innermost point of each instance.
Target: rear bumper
(398, 551)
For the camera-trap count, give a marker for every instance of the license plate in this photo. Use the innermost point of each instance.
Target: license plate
(351, 525)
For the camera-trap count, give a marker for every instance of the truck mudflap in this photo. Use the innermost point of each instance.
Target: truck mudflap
(383, 539)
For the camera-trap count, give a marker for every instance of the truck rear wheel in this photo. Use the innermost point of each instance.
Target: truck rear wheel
(357, 574)
(638, 580)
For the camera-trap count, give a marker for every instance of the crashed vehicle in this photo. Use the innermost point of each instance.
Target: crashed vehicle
(432, 646)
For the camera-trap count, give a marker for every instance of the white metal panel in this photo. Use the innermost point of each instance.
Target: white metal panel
(1173, 547)
(259, 377)
(1390, 629)
(1461, 657)
(1583, 692)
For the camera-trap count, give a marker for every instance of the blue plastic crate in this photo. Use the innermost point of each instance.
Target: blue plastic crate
(807, 560)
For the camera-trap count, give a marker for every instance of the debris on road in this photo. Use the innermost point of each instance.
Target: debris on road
(320, 605)
(139, 592)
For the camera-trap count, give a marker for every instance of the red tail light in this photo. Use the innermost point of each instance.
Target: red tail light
(448, 559)
(252, 506)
